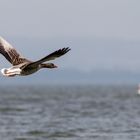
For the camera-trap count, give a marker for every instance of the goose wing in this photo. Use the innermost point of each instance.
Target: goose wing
(49, 57)
(10, 53)
(53, 55)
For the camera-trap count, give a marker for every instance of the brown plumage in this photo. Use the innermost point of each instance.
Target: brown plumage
(23, 66)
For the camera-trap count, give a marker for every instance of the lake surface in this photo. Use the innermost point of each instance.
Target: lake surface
(70, 113)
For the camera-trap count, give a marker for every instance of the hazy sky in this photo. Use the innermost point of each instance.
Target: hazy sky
(103, 34)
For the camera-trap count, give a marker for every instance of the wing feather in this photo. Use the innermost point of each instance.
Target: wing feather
(10, 53)
(54, 55)
(51, 56)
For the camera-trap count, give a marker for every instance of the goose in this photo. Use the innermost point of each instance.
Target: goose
(22, 66)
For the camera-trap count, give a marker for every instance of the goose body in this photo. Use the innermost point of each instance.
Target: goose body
(22, 66)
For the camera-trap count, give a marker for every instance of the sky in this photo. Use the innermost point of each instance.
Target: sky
(103, 34)
(80, 18)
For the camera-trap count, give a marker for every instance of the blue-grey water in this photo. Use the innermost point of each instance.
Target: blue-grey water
(69, 113)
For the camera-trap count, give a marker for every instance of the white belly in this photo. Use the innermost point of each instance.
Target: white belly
(11, 71)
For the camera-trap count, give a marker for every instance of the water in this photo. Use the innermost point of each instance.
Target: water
(70, 113)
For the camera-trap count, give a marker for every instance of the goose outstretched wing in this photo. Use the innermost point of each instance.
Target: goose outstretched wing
(53, 55)
(10, 53)
(49, 57)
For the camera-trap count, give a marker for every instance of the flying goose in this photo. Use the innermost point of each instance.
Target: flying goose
(22, 66)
